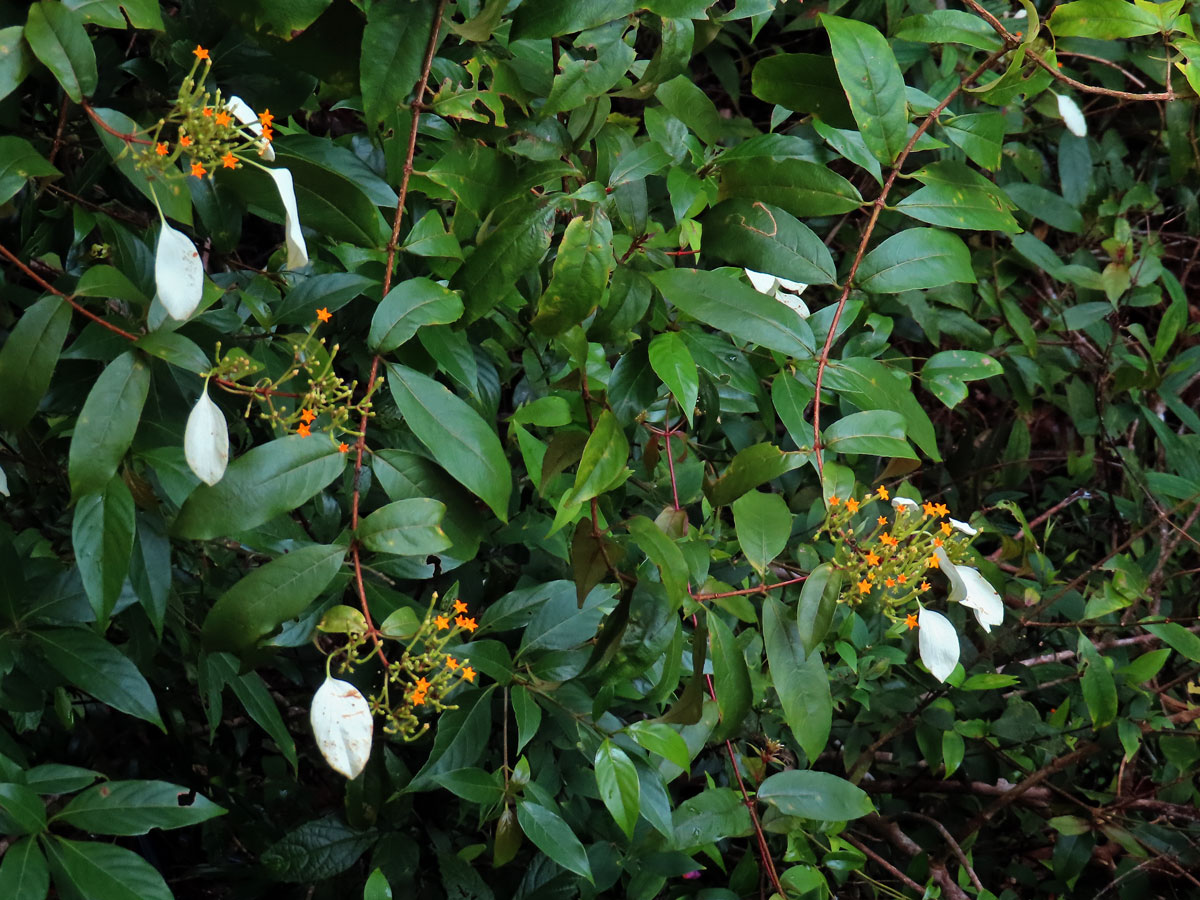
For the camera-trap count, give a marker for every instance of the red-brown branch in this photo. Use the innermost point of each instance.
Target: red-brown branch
(127, 138)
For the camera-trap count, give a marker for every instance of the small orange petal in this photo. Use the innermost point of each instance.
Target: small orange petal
(882, 492)
(903, 579)
(911, 621)
(303, 430)
(223, 119)
(459, 606)
(451, 663)
(161, 149)
(834, 501)
(864, 587)
(323, 314)
(208, 111)
(852, 505)
(229, 161)
(469, 673)
(198, 170)
(882, 520)
(441, 622)
(200, 52)
(343, 447)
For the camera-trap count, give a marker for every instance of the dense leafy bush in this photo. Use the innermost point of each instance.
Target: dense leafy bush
(593, 426)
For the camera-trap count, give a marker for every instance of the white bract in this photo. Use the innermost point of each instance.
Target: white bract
(206, 440)
(938, 643)
(903, 503)
(342, 723)
(963, 527)
(3, 483)
(786, 292)
(243, 113)
(1071, 115)
(297, 252)
(178, 273)
(972, 590)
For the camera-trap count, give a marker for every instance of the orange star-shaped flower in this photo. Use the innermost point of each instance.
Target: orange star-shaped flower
(864, 587)
(942, 509)
(903, 579)
(198, 170)
(882, 520)
(937, 542)
(265, 118)
(343, 447)
(852, 505)
(469, 674)
(307, 415)
(208, 111)
(930, 509)
(834, 501)
(882, 493)
(418, 699)
(441, 622)
(925, 585)
(161, 149)
(464, 622)
(460, 607)
(200, 53)
(932, 562)
(946, 528)
(911, 621)
(872, 559)
(229, 161)
(303, 430)
(323, 314)
(451, 663)
(185, 141)
(422, 685)
(890, 582)
(888, 540)
(268, 134)
(223, 119)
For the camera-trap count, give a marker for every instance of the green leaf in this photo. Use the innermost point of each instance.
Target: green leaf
(377, 887)
(98, 668)
(726, 304)
(581, 271)
(790, 399)
(871, 384)
(662, 739)
(712, 815)
(271, 479)
(175, 349)
(873, 84)
(879, 432)
(463, 444)
(472, 784)
(958, 207)
(915, 259)
(948, 26)
(944, 373)
(528, 714)
(979, 135)
(28, 358)
(270, 595)
(407, 307)
(317, 850)
(673, 364)
(665, 554)
(166, 188)
(554, 837)
(56, 36)
(763, 524)
(603, 462)
(804, 83)
(107, 422)
(1099, 688)
(406, 528)
(308, 294)
(757, 464)
(617, 781)
(1177, 638)
(1046, 205)
(23, 807)
(731, 677)
(560, 623)
(764, 238)
(135, 807)
(549, 18)
(797, 186)
(815, 795)
(393, 45)
(102, 537)
(84, 870)
(818, 599)
(462, 735)
(252, 693)
(23, 872)
(690, 105)
(18, 163)
(518, 242)
(15, 62)
(800, 680)
(1104, 19)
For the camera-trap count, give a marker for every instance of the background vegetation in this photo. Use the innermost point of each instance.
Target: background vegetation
(527, 223)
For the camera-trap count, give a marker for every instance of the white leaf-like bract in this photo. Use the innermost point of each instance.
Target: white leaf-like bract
(178, 273)
(3, 483)
(243, 113)
(297, 252)
(1072, 116)
(206, 440)
(938, 643)
(763, 283)
(972, 590)
(793, 302)
(963, 527)
(905, 505)
(342, 723)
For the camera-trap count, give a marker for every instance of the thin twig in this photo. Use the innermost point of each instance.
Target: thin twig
(951, 842)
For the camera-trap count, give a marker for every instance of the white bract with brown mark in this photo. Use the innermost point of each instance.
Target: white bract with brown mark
(178, 273)
(342, 723)
(206, 440)
(786, 292)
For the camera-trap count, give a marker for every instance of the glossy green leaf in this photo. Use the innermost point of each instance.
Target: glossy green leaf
(730, 676)
(23, 807)
(518, 241)
(252, 693)
(979, 135)
(107, 422)
(56, 36)
(1046, 205)
(168, 189)
(270, 479)
(662, 739)
(270, 595)
(873, 84)
(393, 44)
(725, 303)
(815, 795)
(135, 807)
(915, 259)
(23, 871)
(581, 270)
(95, 666)
(554, 837)
(805, 83)
(764, 238)
(673, 364)
(665, 554)
(18, 163)
(85, 869)
(871, 384)
(958, 207)
(814, 611)
(28, 358)
(879, 432)
(317, 850)
(603, 462)
(1099, 688)
(944, 373)
(688, 103)
(617, 782)
(549, 18)
(406, 528)
(948, 26)
(797, 186)
(1104, 19)
(407, 307)
(763, 524)
(757, 464)
(102, 532)
(463, 444)
(15, 62)
(800, 679)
